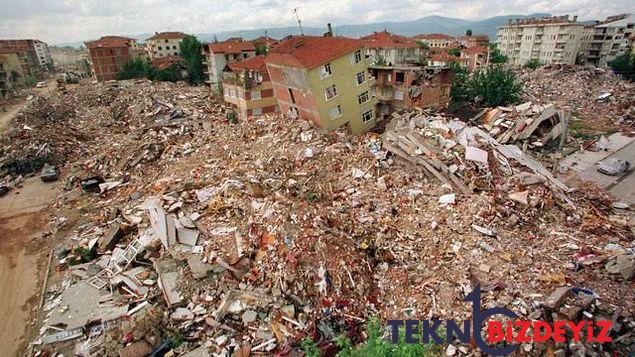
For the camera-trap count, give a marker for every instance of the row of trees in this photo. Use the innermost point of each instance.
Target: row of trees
(624, 65)
(192, 60)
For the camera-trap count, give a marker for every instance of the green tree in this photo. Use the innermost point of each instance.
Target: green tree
(456, 52)
(137, 68)
(261, 49)
(494, 86)
(14, 76)
(191, 53)
(468, 32)
(624, 65)
(29, 80)
(496, 56)
(533, 63)
(491, 86)
(424, 45)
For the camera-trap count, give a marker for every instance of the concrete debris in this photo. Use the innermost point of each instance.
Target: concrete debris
(191, 235)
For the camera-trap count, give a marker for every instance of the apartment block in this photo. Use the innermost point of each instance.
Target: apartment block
(68, 58)
(473, 41)
(11, 71)
(219, 54)
(385, 48)
(609, 39)
(400, 87)
(325, 80)
(110, 53)
(248, 89)
(475, 57)
(35, 53)
(164, 44)
(552, 40)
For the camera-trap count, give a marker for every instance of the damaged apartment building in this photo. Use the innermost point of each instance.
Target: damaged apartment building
(401, 87)
(217, 55)
(609, 39)
(110, 53)
(325, 80)
(248, 89)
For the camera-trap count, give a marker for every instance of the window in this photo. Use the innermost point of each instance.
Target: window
(174, 47)
(256, 111)
(325, 71)
(362, 98)
(255, 95)
(399, 77)
(367, 116)
(159, 48)
(399, 95)
(330, 92)
(360, 78)
(166, 40)
(356, 57)
(335, 112)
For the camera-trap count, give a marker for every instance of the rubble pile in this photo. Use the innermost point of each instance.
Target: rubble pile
(598, 97)
(245, 238)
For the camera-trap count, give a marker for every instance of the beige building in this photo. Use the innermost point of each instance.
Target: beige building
(552, 40)
(164, 44)
(11, 73)
(608, 39)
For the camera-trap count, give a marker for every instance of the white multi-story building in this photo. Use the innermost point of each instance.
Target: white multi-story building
(164, 44)
(608, 39)
(219, 54)
(551, 40)
(42, 53)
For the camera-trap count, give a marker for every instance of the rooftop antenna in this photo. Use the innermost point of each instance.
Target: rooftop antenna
(295, 11)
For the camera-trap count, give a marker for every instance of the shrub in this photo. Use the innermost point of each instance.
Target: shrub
(491, 86)
(533, 63)
(624, 65)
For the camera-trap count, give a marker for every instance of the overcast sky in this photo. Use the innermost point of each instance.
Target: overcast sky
(56, 21)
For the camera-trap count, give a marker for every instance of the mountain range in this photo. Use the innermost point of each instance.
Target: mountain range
(427, 24)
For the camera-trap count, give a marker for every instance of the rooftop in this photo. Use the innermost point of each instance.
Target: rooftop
(110, 41)
(231, 47)
(475, 49)
(255, 63)
(167, 35)
(433, 36)
(386, 39)
(311, 51)
(165, 62)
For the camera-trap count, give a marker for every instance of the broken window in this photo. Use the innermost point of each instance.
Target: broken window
(399, 77)
(360, 78)
(335, 112)
(330, 92)
(363, 98)
(325, 71)
(367, 116)
(356, 57)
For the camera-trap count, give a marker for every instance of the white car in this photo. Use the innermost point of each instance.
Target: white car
(40, 85)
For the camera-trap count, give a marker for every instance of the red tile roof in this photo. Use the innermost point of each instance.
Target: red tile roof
(231, 47)
(433, 36)
(110, 41)
(444, 57)
(475, 38)
(385, 39)
(255, 63)
(311, 51)
(167, 35)
(475, 49)
(165, 62)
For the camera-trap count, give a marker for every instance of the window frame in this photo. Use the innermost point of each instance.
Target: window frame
(259, 95)
(324, 73)
(326, 90)
(339, 109)
(372, 116)
(357, 82)
(361, 95)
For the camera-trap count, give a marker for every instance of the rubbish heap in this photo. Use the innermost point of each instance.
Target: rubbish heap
(181, 231)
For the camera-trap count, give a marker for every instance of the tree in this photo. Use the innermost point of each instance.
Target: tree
(191, 54)
(137, 68)
(456, 52)
(491, 86)
(624, 65)
(496, 56)
(261, 49)
(533, 63)
(468, 32)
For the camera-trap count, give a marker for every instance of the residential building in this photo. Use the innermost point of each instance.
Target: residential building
(436, 40)
(164, 44)
(473, 41)
(552, 40)
(609, 39)
(325, 80)
(110, 53)
(219, 54)
(385, 48)
(475, 57)
(265, 41)
(248, 89)
(35, 53)
(69, 58)
(399, 87)
(443, 59)
(171, 62)
(11, 71)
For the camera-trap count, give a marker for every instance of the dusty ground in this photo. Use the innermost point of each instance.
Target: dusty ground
(23, 220)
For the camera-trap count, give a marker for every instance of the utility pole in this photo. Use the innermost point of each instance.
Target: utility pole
(295, 11)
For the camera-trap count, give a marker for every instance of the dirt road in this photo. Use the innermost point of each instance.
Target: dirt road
(23, 250)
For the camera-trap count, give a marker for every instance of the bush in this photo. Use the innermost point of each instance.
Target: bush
(533, 63)
(139, 68)
(191, 53)
(456, 52)
(496, 57)
(491, 86)
(624, 65)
